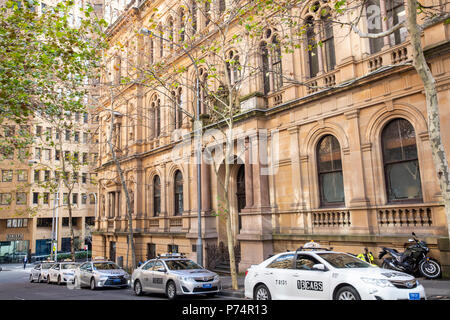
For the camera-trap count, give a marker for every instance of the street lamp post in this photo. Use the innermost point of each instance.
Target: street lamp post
(197, 135)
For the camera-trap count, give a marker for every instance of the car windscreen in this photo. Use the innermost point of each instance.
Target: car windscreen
(106, 266)
(182, 265)
(342, 260)
(69, 266)
(46, 265)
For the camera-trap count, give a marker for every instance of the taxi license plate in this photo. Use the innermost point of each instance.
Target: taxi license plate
(207, 285)
(117, 281)
(414, 296)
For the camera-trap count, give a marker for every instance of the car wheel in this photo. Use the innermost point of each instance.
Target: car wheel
(262, 293)
(347, 293)
(138, 288)
(93, 286)
(48, 279)
(31, 278)
(39, 279)
(171, 290)
(59, 280)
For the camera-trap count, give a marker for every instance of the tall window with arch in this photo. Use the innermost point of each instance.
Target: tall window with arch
(320, 39)
(156, 196)
(401, 165)
(161, 41)
(276, 64)
(171, 35)
(155, 116)
(233, 67)
(222, 6)
(182, 24)
(382, 15)
(178, 193)
(203, 90)
(329, 167)
(178, 109)
(194, 16)
(270, 61)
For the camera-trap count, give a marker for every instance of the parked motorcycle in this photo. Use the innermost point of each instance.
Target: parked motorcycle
(413, 260)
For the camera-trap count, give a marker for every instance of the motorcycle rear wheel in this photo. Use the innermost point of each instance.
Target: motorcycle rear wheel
(385, 265)
(430, 269)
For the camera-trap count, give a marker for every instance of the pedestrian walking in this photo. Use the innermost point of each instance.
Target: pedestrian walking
(25, 260)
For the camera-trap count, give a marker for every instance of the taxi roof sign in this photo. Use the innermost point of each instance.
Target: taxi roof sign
(99, 258)
(311, 244)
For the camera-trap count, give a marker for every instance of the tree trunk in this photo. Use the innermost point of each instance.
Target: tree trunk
(434, 126)
(130, 241)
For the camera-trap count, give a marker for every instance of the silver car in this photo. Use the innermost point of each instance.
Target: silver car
(96, 274)
(40, 272)
(174, 276)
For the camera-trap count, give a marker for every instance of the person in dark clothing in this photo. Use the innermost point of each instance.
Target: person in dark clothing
(25, 260)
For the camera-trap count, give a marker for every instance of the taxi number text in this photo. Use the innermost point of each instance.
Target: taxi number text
(310, 285)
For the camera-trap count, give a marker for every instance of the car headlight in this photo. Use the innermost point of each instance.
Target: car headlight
(378, 282)
(103, 278)
(187, 279)
(126, 276)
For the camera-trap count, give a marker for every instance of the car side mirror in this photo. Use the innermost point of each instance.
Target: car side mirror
(319, 267)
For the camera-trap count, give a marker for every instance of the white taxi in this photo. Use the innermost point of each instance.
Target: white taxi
(62, 272)
(321, 274)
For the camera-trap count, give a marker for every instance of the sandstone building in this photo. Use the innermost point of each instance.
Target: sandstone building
(354, 166)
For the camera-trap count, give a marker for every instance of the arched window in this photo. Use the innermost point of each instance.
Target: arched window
(222, 6)
(313, 59)
(320, 39)
(182, 25)
(233, 67)
(381, 16)
(265, 66)
(161, 42)
(207, 13)
(156, 116)
(330, 172)
(178, 193)
(271, 67)
(194, 16)
(276, 65)
(151, 50)
(178, 111)
(171, 32)
(156, 196)
(401, 165)
(203, 91)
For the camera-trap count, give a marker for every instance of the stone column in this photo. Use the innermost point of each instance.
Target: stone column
(297, 202)
(356, 176)
(260, 181)
(248, 175)
(206, 187)
(384, 23)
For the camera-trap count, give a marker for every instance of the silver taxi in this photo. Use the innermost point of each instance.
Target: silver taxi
(40, 271)
(174, 275)
(96, 274)
(62, 272)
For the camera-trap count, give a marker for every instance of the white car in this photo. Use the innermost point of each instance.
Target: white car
(327, 275)
(40, 272)
(62, 272)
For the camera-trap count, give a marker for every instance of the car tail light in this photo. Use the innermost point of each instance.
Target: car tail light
(246, 271)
